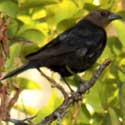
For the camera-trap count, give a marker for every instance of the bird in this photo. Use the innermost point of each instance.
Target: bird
(75, 50)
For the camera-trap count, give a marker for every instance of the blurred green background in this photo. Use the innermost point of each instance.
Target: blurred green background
(33, 23)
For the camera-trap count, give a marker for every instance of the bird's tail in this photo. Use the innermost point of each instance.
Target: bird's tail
(16, 71)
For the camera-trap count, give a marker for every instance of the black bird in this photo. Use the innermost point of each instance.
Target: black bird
(76, 49)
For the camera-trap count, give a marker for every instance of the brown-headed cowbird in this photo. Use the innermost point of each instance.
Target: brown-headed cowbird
(76, 49)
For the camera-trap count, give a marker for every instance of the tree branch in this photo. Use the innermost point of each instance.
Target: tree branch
(75, 96)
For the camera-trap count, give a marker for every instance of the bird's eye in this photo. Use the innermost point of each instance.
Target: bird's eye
(104, 13)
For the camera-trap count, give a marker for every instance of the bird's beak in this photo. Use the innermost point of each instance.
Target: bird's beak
(113, 16)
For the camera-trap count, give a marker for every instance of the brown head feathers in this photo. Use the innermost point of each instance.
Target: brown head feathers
(101, 17)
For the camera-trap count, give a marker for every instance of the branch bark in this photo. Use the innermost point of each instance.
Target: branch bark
(75, 96)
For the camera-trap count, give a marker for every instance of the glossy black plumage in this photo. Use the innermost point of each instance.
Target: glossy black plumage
(77, 49)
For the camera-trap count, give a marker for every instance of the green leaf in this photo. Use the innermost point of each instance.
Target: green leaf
(122, 14)
(64, 10)
(28, 84)
(13, 28)
(115, 45)
(109, 93)
(100, 119)
(29, 48)
(93, 99)
(107, 4)
(90, 6)
(30, 24)
(113, 70)
(120, 28)
(65, 24)
(122, 97)
(14, 52)
(113, 117)
(39, 14)
(83, 114)
(26, 109)
(25, 4)
(9, 7)
(33, 35)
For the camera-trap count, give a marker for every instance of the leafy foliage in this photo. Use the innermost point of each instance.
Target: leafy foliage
(34, 23)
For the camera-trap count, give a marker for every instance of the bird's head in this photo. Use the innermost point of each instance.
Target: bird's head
(102, 17)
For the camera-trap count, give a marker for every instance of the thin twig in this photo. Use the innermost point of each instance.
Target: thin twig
(55, 84)
(25, 121)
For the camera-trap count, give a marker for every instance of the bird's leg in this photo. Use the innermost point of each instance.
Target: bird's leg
(69, 70)
(72, 73)
(77, 78)
(64, 79)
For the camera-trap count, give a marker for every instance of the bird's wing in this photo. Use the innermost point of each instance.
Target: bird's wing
(58, 44)
(78, 38)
